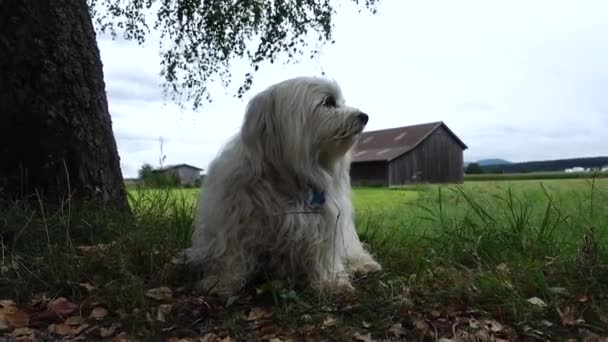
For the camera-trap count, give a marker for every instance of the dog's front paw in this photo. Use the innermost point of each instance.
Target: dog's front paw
(335, 285)
(362, 265)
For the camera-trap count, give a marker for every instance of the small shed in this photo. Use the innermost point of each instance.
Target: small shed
(188, 175)
(424, 153)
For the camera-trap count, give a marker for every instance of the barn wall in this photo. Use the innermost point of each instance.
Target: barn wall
(369, 174)
(438, 159)
(188, 176)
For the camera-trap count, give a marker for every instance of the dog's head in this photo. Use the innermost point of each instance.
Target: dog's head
(303, 117)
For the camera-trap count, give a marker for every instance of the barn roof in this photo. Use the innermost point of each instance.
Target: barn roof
(176, 166)
(388, 144)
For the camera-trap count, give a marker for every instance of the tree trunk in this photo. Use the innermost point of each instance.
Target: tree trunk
(56, 137)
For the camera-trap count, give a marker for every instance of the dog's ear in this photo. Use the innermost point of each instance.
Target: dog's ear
(258, 125)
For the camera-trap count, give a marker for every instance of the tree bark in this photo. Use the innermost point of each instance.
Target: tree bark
(56, 139)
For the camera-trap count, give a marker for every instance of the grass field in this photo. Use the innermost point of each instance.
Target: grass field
(495, 259)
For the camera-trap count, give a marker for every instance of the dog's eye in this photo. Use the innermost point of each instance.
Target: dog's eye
(329, 101)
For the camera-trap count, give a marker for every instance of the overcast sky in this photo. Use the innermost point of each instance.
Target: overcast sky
(519, 80)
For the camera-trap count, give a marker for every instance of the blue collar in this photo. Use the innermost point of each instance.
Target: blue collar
(315, 199)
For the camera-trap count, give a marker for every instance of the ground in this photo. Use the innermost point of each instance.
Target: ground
(488, 260)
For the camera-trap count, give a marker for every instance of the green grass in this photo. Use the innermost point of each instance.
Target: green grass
(481, 249)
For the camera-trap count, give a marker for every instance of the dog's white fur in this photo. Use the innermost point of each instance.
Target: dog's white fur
(253, 215)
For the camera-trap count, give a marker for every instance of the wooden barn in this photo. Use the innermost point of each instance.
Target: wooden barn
(425, 153)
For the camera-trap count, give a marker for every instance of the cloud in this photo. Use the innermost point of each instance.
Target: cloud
(518, 80)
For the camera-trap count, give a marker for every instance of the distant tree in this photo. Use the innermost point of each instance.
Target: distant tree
(145, 171)
(473, 168)
(56, 139)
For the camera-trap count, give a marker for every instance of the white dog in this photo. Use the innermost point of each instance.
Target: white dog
(277, 198)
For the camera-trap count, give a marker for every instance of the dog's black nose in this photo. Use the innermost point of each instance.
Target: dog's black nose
(363, 118)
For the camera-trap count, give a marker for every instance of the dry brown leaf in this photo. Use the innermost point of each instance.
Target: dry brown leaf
(421, 325)
(397, 330)
(123, 337)
(363, 338)
(160, 293)
(227, 339)
(21, 333)
(4, 325)
(77, 330)
(60, 329)
(108, 331)
(329, 321)
(209, 337)
(567, 317)
(74, 320)
(61, 307)
(99, 313)
(162, 312)
(88, 286)
(435, 314)
(492, 325)
(257, 312)
(474, 324)
(18, 319)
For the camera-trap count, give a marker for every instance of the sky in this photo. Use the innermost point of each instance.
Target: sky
(518, 80)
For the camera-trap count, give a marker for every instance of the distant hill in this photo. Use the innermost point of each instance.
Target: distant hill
(486, 162)
(495, 161)
(546, 165)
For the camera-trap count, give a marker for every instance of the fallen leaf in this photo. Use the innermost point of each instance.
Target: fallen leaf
(474, 324)
(123, 337)
(61, 307)
(226, 339)
(79, 329)
(257, 313)
(74, 320)
(160, 293)
(330, 321)
(363, 338)
(60, 329)
(88, 286)
(98, 313)
(435, 313)
(536, 301)
(397, 330)
(493, 325)
(582, 299)
(567, 317)
(421, 325)
(366, 325)
(162, 312)
(18, 319)
(108, 331)
(209, 337)
(4, 325)
(23, 332)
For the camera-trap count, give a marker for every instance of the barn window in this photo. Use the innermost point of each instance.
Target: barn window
(400, 136)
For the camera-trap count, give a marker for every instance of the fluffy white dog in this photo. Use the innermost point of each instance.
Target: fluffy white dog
(277, 197)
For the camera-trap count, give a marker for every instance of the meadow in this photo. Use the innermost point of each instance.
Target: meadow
(486, 260)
